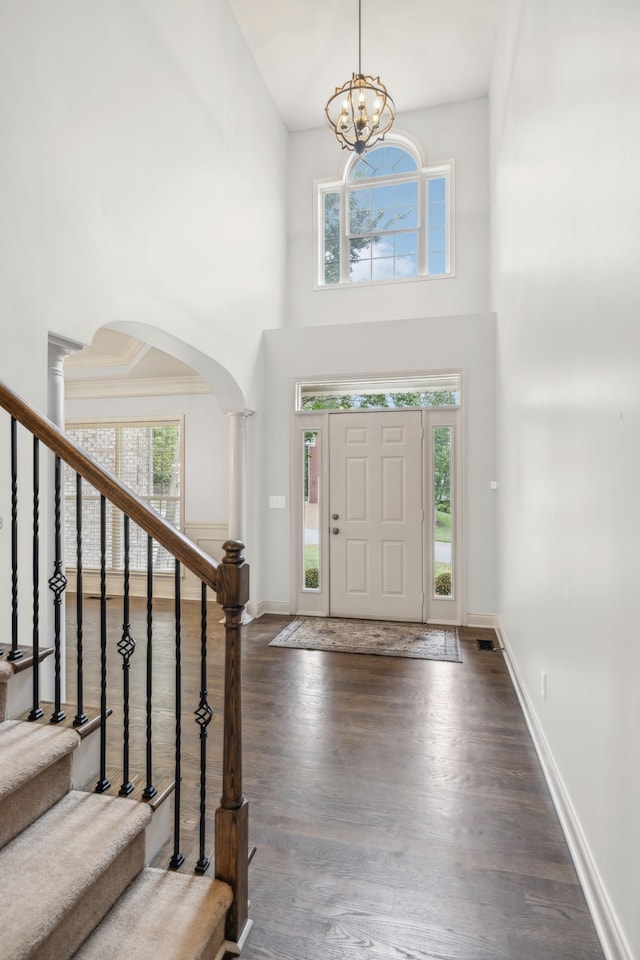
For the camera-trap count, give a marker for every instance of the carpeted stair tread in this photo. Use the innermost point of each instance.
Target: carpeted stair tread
(28, 749)
(147, 917)
(36, 773)
(66, 870)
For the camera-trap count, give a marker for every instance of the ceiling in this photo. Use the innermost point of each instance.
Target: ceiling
(427, 52)
(119, 364)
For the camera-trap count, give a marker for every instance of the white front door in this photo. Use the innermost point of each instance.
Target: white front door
(376, 515)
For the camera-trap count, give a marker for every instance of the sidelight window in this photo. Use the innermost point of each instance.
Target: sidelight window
(311, 510)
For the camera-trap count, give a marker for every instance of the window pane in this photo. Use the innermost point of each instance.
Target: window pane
(428, 391)
(384, 219)
(383, 269)
(382, 247)
(407, 266)
(383, 162)
(311, 511)
(331, 238)
(360, 270)
(384, 197)
(436, 239)
(360, 211)
(147, 460)
(437, 214)
(405, 164)
(437, 263)
(407, 193)
(442, 512)
(406, 243)
(359, 249)
(437, 189)
(407, 216)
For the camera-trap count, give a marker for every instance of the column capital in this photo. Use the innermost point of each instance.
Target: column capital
(61, 347)
(241, 414)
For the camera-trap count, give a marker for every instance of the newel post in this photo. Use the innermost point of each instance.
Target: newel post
(232, 816)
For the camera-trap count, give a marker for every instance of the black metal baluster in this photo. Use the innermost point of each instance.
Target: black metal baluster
(103, 784)
(15, 653)
(80, 716)
(177, 859)
(36, 710)
(149, 790)
(126, 647)
(203, 718)
(58, 584)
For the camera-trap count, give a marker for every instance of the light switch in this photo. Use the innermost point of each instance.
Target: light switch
(277, 503)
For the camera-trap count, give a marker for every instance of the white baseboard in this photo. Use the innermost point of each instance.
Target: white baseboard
(612, 939)
(281, 607)
(488, 620)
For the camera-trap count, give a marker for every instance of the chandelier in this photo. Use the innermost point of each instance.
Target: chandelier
(360, 112)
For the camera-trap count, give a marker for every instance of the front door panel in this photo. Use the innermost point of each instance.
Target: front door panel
(376, 508)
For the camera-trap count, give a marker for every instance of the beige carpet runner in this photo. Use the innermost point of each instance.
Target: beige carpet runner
(72, 866)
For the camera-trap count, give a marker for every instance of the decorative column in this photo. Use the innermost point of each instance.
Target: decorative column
(59, 350)
(238, 478)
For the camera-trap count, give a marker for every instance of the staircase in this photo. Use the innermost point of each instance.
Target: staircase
(73, 864)
(73, 861)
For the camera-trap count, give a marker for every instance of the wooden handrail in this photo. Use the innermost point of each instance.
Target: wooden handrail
(190, 555)
(230, 580)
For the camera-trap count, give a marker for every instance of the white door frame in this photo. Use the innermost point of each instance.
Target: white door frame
(305, 602)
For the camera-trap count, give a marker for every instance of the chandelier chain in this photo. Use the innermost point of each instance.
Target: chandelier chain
(360, 112)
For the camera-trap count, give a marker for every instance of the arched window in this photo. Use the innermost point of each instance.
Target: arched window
(389, 218)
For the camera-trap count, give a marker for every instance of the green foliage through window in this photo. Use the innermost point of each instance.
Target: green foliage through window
(387, 219)
(379, 401)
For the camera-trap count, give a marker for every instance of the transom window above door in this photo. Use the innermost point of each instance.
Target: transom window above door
(388, 219)
(429, 390)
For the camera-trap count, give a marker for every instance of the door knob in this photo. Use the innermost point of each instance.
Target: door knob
(334, 516)
(334, 530)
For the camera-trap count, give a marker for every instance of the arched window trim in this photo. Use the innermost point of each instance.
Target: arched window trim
(339, 188)
(401, 140)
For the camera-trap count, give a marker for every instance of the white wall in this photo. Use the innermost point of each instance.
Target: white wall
(566, 253)
(456, 131)
(206, 469)
(401, 346)
(142, 179)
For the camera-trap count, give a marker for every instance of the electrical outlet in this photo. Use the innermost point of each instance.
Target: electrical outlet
(543, 684)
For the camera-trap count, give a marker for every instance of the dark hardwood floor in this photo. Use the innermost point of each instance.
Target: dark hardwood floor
(397, 806)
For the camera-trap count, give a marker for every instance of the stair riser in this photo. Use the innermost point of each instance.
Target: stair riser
(159, 830)
(97, 900)
(20, 687)
(86, 760)
(19, 695)
(23, 807)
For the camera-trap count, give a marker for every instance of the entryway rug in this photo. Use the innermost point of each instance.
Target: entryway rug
(418, 640)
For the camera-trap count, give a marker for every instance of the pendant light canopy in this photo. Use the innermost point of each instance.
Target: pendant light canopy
(361, 111)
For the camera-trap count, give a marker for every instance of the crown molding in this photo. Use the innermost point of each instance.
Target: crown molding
(130, 352)
(148, 387)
